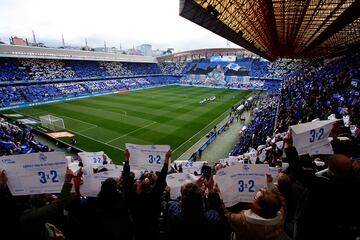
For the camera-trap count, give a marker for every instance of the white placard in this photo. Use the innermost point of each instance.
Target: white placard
(93, 159)
(92, 181)
(312, 137)
(240, 182)
(230, 161)
(147, 157)
(189, 166)
(252, 156)
(35, 173)
(262, 156)
(280, 144)
(274, 172)
(176, 180)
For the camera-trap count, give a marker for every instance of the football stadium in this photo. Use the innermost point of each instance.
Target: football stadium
(259, 140)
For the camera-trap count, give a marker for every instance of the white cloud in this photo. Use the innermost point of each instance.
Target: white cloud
(125, 22)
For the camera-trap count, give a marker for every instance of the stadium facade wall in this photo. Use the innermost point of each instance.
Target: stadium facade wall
(68, 54)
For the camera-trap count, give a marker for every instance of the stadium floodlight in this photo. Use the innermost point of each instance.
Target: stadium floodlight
(51, 122)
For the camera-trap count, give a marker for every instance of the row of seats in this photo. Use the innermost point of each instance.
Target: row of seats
(18, 139)
(29, 93)
(12, 69)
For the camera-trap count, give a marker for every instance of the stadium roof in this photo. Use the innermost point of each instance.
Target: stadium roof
(280, 28)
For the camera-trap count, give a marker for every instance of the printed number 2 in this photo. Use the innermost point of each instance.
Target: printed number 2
(316, 136)
(44, 177)
(156, 159)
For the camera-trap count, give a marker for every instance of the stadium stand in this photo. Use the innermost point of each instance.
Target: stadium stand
(26, 69)
(29, 93)
(11, 70)
(18, 139)
(309, 196)
(172, 67)
(260, 127)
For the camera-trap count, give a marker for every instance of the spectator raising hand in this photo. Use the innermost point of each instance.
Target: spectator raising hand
(3, 179)
(288, 140)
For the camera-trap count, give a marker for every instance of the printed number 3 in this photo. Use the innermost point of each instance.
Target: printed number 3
(156, 159)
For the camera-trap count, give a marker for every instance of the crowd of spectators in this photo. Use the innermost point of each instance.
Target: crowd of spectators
(320, 90)
(309, 197)
(115, 69)
(313, 184)
(86, 69)
(172, 67)
(12, 69)
(9, 95)
(268, 85)
(296, 204)
(252, 84)
(256, 67)
(18, 139)
(260, 127)
(39, 69)
(282, 67)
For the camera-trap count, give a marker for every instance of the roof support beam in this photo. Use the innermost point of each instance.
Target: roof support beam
(347, 17)
(195, 13)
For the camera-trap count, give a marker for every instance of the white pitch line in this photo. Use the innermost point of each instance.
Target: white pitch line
(200, 131)
(45, 112)
(87, 129)
(105, 143)
(148, 125)
(85, 135)
(78, 120)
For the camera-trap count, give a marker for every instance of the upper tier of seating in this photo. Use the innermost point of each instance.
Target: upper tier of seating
(29, 93)
(12, 69)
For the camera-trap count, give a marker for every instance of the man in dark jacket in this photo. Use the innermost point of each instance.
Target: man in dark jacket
(332, 208)
(144, 199)
(33, 220)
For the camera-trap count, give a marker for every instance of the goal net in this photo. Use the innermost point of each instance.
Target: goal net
(51, 122)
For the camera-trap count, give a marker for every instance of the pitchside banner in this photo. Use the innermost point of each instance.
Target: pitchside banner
(92, 180)
(147, 157)
(240, 182)
(312, 137)
(35, 173)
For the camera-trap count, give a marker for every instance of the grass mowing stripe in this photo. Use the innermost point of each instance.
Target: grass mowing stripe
(180, 157)
(222, 115)
(36, 117)
(132, 132)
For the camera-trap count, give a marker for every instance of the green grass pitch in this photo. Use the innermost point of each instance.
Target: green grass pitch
(165, 115)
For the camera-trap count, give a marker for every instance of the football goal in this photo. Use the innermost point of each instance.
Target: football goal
(51, 122)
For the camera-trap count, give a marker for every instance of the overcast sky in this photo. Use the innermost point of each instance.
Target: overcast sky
(125, 22)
